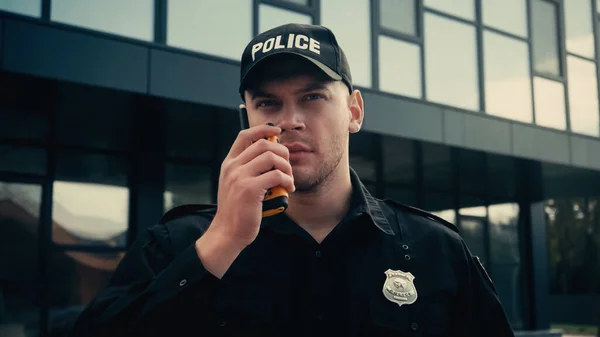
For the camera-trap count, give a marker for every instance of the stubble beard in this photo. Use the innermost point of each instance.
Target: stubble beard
(314, 182)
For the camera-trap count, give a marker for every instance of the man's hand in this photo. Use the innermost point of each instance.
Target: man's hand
(252, 166)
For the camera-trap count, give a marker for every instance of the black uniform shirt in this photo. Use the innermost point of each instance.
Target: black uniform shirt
(286, 284)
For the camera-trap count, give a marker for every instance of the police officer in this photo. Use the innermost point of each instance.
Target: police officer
(337, 262)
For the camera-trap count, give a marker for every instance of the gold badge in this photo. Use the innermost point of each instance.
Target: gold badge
(399, 287)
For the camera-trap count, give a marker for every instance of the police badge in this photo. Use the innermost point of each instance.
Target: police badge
(399, 287)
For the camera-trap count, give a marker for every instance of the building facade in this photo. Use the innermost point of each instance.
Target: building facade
(484, 112)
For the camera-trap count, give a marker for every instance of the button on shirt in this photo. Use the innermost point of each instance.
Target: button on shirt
(287, 284)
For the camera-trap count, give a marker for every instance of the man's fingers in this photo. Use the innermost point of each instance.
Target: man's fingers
(265, 162)
(259, 147)
(247, 137)
(275, 178)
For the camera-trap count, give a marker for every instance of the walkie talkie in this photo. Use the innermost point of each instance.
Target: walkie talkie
(276, 198)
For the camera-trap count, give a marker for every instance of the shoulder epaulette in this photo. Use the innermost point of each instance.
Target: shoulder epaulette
(183, 210)
(423, 213)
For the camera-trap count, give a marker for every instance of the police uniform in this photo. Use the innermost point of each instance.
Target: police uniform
(386, 270)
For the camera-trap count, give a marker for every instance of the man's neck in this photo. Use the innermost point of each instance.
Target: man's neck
(319, 211)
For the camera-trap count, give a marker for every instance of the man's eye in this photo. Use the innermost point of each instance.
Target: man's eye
(311, 97)
(264, 104)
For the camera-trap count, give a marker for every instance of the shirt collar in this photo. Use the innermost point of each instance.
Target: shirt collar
(362, 202)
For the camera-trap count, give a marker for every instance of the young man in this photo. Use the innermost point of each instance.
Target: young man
(337, 262)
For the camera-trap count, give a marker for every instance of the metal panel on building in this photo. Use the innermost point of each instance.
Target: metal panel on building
(454, 127)
(400, 117)
(194, 79)
(535, 143)
(74, 56)
(487, 134)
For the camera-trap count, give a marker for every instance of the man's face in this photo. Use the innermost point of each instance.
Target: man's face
(316, 117)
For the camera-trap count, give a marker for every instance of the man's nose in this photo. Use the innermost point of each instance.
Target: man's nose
(291, 119)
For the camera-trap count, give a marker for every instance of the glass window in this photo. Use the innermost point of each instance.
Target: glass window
(495, 13)
(186, 18)
(502, 177)
(579, 32)
(90, 203)
(25, 7)
(437, 166)
(451, 75)
(187, 184)
(86, 116)
(573, 245)
(583, 96)
(189, 131)
(401, 194)
(505, 258)
(549, 103)
(75, 279)
(355, 39)
(131, 18)
(507, 81)
(19, 265)
(299, 2)
(440, 204)
(472, 172)
(398, 160)
(18, 159)
(544, 40)
(461, 8)
(472, 223)
(398, 15)
(270, 17)
(364, 166)
(399, 67)
(22, 124)
(504, 234)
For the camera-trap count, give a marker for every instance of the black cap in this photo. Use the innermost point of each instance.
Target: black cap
(313, 42)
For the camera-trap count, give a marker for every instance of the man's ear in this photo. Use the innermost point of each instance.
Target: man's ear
(357, 111)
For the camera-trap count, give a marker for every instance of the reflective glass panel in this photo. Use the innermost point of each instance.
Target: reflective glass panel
(187, 184)
(462, 8)
(471, 229)
(583, 96)
(186, 18)
(90, 203)
(355, 39)
(399, 67)
(506, 259)
(299, 2)
(18, 159)
(95, 118)
(189, 130)
(398, 160)
(25, 7)
(549, 103)
(440, 204)
(507, 81)
(75, 279)
(130, 18)
(19, 264)
(437, 166)
(544, 38)
(495, 14)
(270, 17)
(579, 31)
(405, 195)
(451, 62)
(398, 15)
(573, 225)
